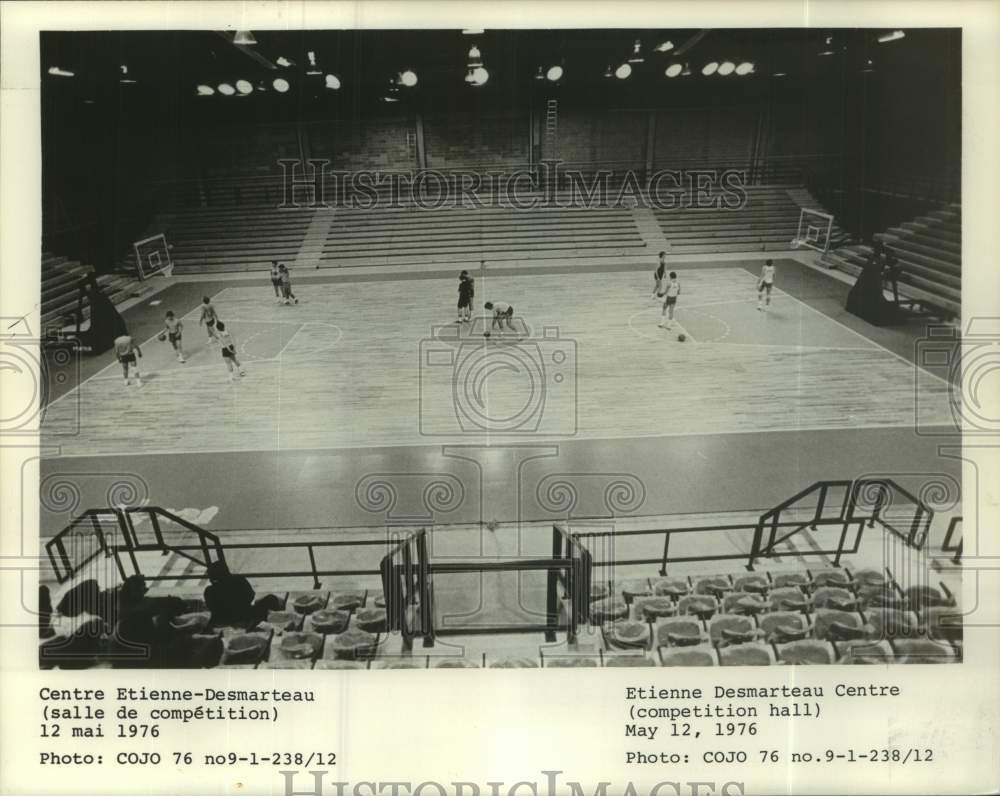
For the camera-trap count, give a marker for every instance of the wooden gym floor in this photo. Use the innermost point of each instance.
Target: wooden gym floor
(370, 376)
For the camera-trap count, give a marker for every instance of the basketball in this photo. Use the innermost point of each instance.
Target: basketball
(681, 338)
(162, 336)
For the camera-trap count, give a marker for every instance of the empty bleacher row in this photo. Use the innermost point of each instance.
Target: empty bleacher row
(768, 220)
(789, 617)
(60, 287)
(247, 234)
(929, 251)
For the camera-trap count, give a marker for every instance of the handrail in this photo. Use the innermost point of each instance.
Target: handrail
(947, 546)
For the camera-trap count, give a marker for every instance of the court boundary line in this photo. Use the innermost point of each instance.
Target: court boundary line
(904, 360)
(506, 442)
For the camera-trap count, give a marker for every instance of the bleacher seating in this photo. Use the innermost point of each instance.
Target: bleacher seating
(929, 251)
(238, 225)
(60, 280)
(792, 617)
(769, 220)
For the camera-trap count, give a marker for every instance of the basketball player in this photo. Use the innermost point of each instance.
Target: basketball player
(209, 316)
(229, 352)
(670, 293)
(286, 285)
(764, 286)
(126, 351)
(466, 291)
(174, 329)
(276, 281)
(503, 314)
(658, 277)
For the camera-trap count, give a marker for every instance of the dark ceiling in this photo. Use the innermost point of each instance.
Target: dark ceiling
(169, 65)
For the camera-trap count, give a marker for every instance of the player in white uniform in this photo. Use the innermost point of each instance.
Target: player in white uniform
(126, 350)
(229, 352)
(671, 291)
(765, 285)
(503, 315)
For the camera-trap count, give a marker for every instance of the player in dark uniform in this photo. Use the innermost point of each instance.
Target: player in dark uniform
(208, 317)
(658, 277)
(126, 350)
(276, 280)
(466, 292)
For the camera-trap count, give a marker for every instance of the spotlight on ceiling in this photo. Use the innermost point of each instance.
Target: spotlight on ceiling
(244, 37)
(473, 31)
(280, 85)
(666, 46)
(408, 78)
(745, 68)
(623, 71)
(727, 68)
(282, 61)
(468, 77)
(636, 57)
(828, 47)
(332, 82)
(710, 68)
(687, 70)
(125, 79)
(244, 87)
(475, 57)
(55, 70)
(869, 66)
(780, 74)
(607, 72)
(313, 69)
(226, 89)
(674, 70)
(895, 35)
(480, 76)
(554, 73)
(540, 74)
(205, 91)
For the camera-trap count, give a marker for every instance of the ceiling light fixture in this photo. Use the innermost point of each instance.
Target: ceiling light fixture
(726, 68)
(280, 85)
(244, 37)
(312, 70)
(554, 73)
(244, 87)
(623, 71)
(226, 89)
(125, 79)
(408, 78)
(282, 61)
(480, 76)
(674, 70)
(665, 47)
(895, 35)
(636, 53)
(710, 68)
(745, 68)
(205, 91)
(332, 82)
(55, 70)
(472, 31)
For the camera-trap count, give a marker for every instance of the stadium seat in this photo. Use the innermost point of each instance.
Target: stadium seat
(747, 655)
(689, 656)
(671, 587)
(729, 629)
(649, 609)
(701, 606)
(680, 632)
(864, 652)
(922, 650)
(627, 634)
(804, 653)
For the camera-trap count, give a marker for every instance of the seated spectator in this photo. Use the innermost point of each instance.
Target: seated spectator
(230, 598)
